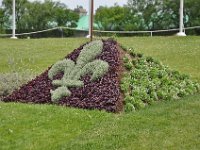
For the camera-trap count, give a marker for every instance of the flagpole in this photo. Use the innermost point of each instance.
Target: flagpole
(91, 9)
(181, 24)
(13, 21)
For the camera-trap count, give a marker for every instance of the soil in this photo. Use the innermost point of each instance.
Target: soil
(121, 70)
(103, 94)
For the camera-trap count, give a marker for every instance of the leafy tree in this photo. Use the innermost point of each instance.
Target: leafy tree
(192, 12)
(64, 16)
(169, 14)
(164, 14)
(38, 15)
(111, 18)
(3, 19)
(147, 12)
(133, 22)
(20, 10)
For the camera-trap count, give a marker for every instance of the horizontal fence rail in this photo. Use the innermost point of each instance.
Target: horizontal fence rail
(100, 31)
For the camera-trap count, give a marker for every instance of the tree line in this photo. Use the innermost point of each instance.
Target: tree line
(147, 15)
(37, 15)
(135, 15)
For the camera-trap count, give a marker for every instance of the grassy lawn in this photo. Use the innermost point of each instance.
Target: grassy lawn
(167, 125)
(35, 54)
(180, 53)
(171, 125)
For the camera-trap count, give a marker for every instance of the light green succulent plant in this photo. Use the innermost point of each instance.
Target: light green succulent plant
(85, 64)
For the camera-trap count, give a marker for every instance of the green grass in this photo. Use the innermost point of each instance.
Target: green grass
(171, 125)
(35, 54)
(179, 53)
(167, 125)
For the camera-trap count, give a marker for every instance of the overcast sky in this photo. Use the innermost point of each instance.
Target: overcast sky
(85, 3)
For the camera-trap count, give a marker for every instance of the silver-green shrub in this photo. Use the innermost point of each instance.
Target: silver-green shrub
(97, 68)
(89, 52)
(12, 81)
(60, 66)
(85, 64)
(59, 93)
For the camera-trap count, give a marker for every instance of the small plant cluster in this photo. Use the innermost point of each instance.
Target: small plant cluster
(12, 81)
(85, 64)
(148, 80)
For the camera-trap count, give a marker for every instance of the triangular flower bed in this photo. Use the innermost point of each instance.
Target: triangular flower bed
(102, 93)
(91, 77)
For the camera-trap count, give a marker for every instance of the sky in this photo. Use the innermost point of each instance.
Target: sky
(85, 3)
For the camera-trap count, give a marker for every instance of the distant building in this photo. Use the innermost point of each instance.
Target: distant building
(83, 22)
(81, 11)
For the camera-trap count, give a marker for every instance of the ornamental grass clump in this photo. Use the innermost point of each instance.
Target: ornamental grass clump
(73, 71)
(147, 80)
(10, 82)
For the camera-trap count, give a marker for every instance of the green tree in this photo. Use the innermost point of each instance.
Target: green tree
(146, 11)
(3, 19)
(38, 15)
(164, 14)
(64, 16)
(170, 13)
(20, 10)
(111, 18)
(192, 12)
(169, 17)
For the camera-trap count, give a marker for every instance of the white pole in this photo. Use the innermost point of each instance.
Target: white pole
(13, 21)
(181, 25)
(90, 19)
(181, 17)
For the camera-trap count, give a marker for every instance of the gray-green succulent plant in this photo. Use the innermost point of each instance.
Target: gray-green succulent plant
(85, 64)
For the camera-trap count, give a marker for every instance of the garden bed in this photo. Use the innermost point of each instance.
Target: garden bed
(103, 93)
(103, 75)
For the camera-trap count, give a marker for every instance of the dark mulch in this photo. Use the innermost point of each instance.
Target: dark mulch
(103, 94)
